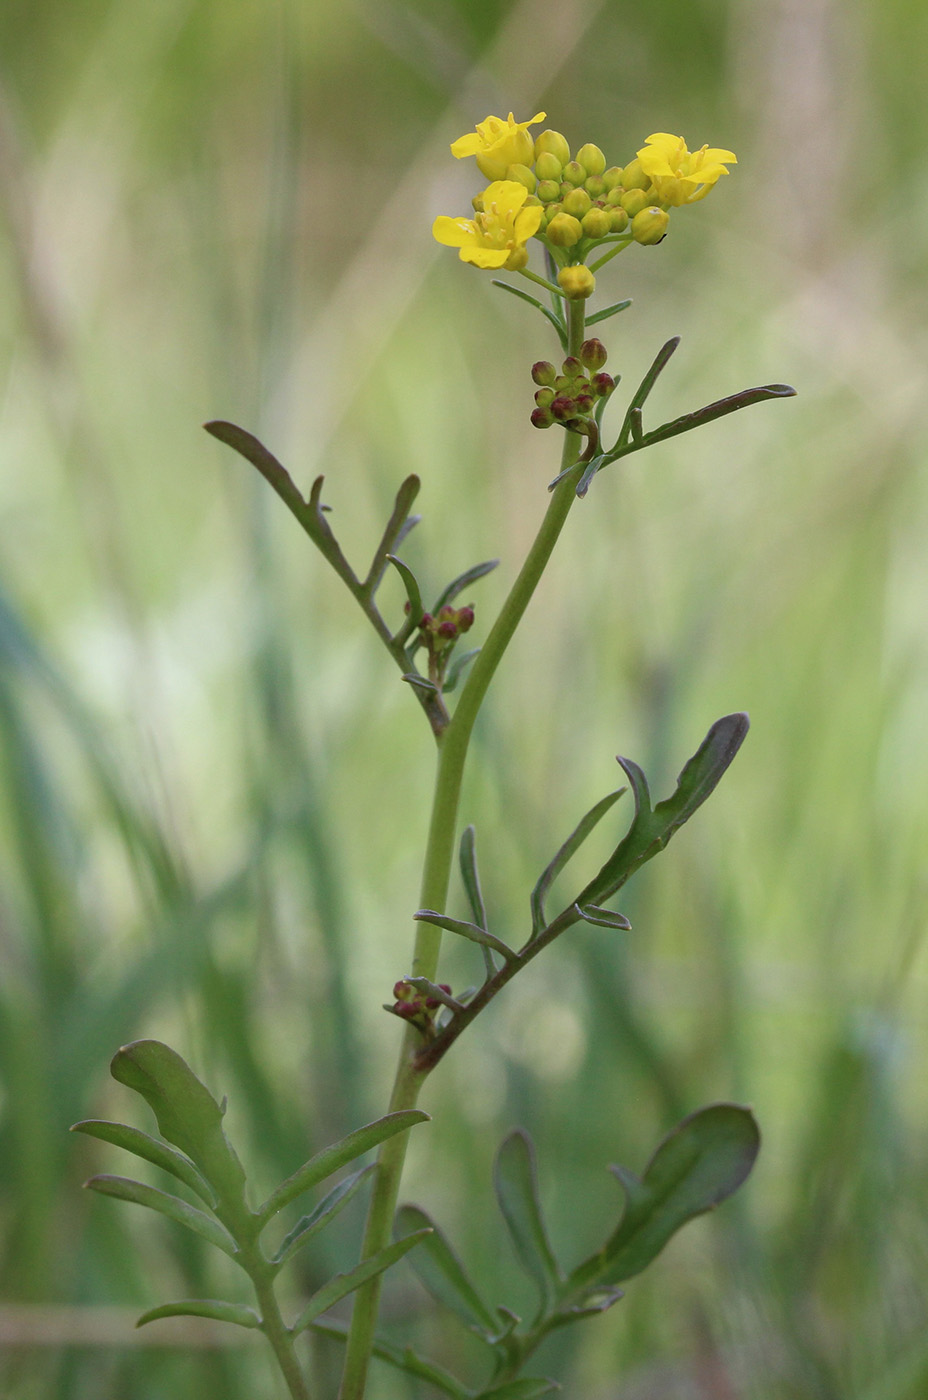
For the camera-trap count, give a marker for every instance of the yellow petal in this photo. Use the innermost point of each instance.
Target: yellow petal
(453, 233)
(527, 222)
(467, 145)
(485, 257)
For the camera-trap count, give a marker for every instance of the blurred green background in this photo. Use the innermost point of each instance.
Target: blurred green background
(214, 787)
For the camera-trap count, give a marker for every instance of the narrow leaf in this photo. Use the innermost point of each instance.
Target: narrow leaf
(327, 1209)
(661, 360)
(457, 585)
(555, 320)
(187, 1114)
(466, 930)
(434, 991)
(144, 1145)
(343, 1284)
(204, 1307)
(420, 682)
(173, 1207)
(339, 1154)
(603, 918)
(573, 843)
(594, 465)
(254, 451)
(702, 1162)
(515, 1180)
(467, 856)
(404, 1359)
(528, 1388)
(608, 311)
(412, 590)
(744, 399)
(441, 1272)
(457, 668)
(396, 529)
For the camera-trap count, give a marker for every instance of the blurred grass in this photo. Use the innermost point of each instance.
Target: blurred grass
(214, 793)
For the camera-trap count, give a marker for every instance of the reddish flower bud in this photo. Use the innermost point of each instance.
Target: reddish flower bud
(465, 623)
(593, 353)
(447, 629)
(602, 384)
(541, 418)
(563, 408)
(543, 372)
(572, 367)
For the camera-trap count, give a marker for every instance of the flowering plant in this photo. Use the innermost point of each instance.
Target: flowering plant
(580, 213)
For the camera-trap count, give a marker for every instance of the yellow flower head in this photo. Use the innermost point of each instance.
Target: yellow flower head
(496, 237)
(680, 176)
(497, 144)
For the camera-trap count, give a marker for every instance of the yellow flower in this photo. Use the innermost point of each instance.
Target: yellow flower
(497, 235)
(680, 176)
(497, 144)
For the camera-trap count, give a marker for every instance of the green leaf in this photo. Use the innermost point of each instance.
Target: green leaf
(556, 322)
(515, 1180)
(254, 451)
(528, 1388)
(633, 414)
(339, 1154)
(144, 1145)
(457, 668)
(608, 311)
(187, 1114)
(702, 1162)
(573, 843)
(466, 930)
(457, 585)
(396, 530)
(603, 918)
(470, 878)
(404, 1359)
(718, 409)
(650, 830)
(441, 1272)
(413, 592)
(343, 1284)
(204, 1307)
(327, 1209)
(173, 1207)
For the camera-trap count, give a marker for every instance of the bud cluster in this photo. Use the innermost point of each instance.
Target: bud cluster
(414, 1005)
(439, 632)
(571, 397)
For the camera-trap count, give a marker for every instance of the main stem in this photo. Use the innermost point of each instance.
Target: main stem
(452, 755)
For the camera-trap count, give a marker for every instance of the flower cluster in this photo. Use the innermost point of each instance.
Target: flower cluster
(411, 1004)
(571, 204)
(438, 633)
(573, 397)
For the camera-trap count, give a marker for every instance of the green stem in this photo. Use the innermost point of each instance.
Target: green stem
(452, 755)
(275, 1329)
(542, 282)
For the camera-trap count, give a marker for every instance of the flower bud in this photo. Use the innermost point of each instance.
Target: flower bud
(618, 221)
(447, 629)
(576, 282)
(564, 230)
(614, 196)
(552, 143)
(477, 202)
(594, 186)
(578, 203)
(544, 397)
(517, 259)
(572, 367)
(612, 177)
(593, 353)
(563, 407)
(584, 403)
(650, 225)
(542, 418)
(596, 223)
(465, 623)
(523, 175)
(574, 173)
(547, 166)
(634, 178)
(543, 372)
(602, 384)
(592, 159)
(548, 190)
(633, 201)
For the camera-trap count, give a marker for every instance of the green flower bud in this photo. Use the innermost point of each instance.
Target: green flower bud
(572, 367)
(523, 175)
(545, 397)
(574, 173)
(612, 177)
(593, 353)
(576, 283)
(542, 418)
(596, 223)
(543, 372)
(594, 186)
(618, 221)
(633, 201)
(577, 203)
(650, 225)
(564, 230)
(547, 166)
(602, 384)
(592, 159)
(551, 210)
(552, 143)
(634, 178)
(548, 190)
(477, 202)
(614, 196)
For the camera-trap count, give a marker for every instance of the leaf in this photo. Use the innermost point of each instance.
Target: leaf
(186, 1111)
(470, 878)
(603, 918)
(327, 1209)
(412, 590)
(650, 830)
(404, 1359)
(441, 1272)
(702, 1162)
(144, 1145)
(173, 1207)
(254, 451)
(395, 531)
(718, 409)
(598, 1300)
(528, 1388)
(608, 311)
(457, 585)
(457, 668)
(515, 1180)
(555, 320)
(573, 843)
(342, 1284)
(594, 465)
(661, 360)
(339, 1154)
(466, 930)
(203, 1307)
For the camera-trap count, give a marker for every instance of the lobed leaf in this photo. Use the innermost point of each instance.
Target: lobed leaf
(152, 1150)
(342, 1284)
(441, 1272)
(187, 1114)
(203, 1307)
(339, 1154)
(123, 1189)
(516, 1183)
(698, 1165)
(327, 1209)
